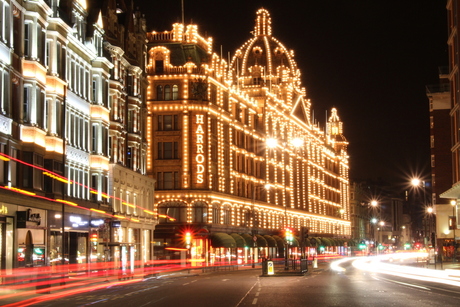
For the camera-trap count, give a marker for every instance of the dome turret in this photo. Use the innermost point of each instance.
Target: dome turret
(263, 60)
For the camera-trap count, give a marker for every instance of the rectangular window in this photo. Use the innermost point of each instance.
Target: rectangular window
(168, 122)
(168, 150)
(94, 137)
(27, 40)
(94, 88)
(168, 181)
(26, 105)
(59, 65)
(47, 57)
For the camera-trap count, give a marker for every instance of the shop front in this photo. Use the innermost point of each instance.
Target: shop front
(6, 237)
(70, 246)
(31, 226)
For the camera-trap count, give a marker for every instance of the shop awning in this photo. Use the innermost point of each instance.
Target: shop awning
(453, 192)
(220, 239)
(279, 241)
(270, 241)
(240, 242)
(248, 239)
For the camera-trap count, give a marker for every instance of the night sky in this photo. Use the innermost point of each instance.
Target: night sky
(371, 60)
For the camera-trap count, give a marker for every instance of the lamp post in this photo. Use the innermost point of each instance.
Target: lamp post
(254, 220)
(416, 182)
(454, 226)
(375, 216)
(381, 223)
(432, 235)
(374, 225)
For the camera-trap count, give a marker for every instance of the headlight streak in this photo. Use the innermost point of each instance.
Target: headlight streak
(335, 265)
(374, 264)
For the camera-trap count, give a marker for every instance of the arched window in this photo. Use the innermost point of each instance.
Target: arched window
(199, 212)
(216, 214)
(175, 210)
(175, 92)
(227, 215)
(167, 92)
(159, 92)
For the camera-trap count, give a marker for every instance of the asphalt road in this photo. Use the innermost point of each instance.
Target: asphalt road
(248, 288)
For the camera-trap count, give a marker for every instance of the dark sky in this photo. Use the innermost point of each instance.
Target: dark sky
(371, 59)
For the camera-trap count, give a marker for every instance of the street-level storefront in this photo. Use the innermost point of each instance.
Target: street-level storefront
(7, 246)
(73, 245)
(31, 228)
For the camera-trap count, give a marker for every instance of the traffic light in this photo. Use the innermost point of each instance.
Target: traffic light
(303, 233)
(94, 237)
(188, 239)
(289, 236)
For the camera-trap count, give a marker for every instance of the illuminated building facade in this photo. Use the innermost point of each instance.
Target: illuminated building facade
(233, 146)
(71, 134)
(448, 209)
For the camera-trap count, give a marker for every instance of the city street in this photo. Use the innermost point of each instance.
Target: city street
(246, 287)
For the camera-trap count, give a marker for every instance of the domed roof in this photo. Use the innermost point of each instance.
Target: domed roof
(263, 58)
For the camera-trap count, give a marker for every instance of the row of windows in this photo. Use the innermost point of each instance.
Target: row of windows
(199, 214)
(78, 131)
(167, 92)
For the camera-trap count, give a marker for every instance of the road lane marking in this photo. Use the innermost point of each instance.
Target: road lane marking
(254, 301)
(405, 284)
(247, 293)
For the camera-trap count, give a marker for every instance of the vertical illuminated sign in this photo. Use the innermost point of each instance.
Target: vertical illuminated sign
(199, 158)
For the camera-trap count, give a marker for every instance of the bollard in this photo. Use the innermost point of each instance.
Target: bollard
(315, 263)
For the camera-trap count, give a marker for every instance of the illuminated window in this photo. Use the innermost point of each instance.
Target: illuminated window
(175, 92)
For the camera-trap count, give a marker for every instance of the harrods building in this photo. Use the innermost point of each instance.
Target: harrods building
(234, 149)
